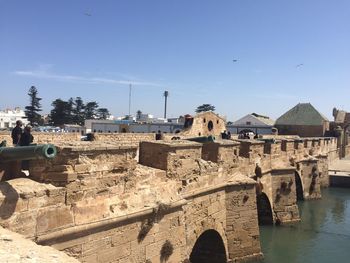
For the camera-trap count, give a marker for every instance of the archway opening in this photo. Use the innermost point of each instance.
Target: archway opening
(299, 187)
(209, 248)
(264, 210)
(210, 126)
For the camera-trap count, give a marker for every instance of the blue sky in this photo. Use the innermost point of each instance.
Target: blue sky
(183, 46)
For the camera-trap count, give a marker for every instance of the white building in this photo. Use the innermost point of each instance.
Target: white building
(73, 128)
(145, 117)
(9, 117)
(105, 126)
(255, 123)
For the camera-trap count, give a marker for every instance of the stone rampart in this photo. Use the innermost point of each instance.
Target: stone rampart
(69, 137)
(97, 203)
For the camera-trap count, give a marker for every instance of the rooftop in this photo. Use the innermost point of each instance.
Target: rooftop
(302, 114)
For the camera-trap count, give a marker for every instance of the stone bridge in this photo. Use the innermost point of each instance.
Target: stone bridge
(164, 201)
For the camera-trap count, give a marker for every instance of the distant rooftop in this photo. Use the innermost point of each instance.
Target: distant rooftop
(302, 114)
(255, 120)
(264, 119)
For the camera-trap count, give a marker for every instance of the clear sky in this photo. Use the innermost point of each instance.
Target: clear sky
(93, 49)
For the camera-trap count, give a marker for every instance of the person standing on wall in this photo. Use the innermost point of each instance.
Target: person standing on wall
(26, 139)
(16, 133)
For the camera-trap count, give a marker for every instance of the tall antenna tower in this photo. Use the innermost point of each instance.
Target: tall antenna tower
(129, 99)
(165, 94)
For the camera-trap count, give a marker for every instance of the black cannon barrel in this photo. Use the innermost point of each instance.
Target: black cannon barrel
(31, 152)
(202, 139)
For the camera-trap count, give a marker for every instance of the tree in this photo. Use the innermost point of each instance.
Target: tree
(70, 111)
(205, 107)
(78, 111)
(34, 107)
(90, 110)
(61, 112)
(103, 113)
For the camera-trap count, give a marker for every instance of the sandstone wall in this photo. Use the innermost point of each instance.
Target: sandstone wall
(103, 206)
(279, 187)
(309, 173)
(205, 124)
(284, 196)
(31, 208)
(323, 170)
(225, 154)
(64, 138)
(178, 158)
(149, 236)
(129, 138)
(242, 223)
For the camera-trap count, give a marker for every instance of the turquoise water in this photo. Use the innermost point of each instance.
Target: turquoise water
(323, 236)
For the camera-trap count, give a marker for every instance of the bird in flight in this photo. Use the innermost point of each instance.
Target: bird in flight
(299, 65)
(234, 60)
(87, 14)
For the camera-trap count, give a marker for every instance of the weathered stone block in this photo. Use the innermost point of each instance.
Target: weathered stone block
(51, 218)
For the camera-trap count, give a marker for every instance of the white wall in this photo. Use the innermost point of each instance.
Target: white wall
(8, 118)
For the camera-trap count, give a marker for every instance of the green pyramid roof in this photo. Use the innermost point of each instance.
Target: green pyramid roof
(301, 114)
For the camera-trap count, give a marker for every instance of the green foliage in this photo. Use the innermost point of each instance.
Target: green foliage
(74, 111)
(103, 113)
(205, 107)
(91, 110)
(78, 111)
(61, 112)
(32, 110)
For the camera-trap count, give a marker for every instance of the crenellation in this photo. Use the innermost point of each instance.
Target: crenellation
(113, 202)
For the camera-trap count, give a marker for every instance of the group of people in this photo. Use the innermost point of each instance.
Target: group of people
(226, 135)
(248, 135)
(21, 137)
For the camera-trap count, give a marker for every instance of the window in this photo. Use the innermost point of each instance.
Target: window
(248, 123)
(210, 125)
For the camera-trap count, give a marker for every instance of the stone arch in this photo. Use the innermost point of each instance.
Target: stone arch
(265, 215)
(299, 186)
(209, 248)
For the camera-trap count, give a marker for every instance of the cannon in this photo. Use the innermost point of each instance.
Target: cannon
(202, 139)
(31, 152)
(267, 140)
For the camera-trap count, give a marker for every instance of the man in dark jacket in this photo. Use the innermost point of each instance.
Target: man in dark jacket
(26, 138)
(16, 133)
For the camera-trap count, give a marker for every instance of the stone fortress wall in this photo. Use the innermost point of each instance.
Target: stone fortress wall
(118, 200)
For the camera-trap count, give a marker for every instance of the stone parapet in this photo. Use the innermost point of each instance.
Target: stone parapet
(309, 172)
(85, 160)
(178, 158)
(224, 153)
(31, 208)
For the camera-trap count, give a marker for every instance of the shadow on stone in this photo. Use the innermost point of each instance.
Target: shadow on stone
(8, 200)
